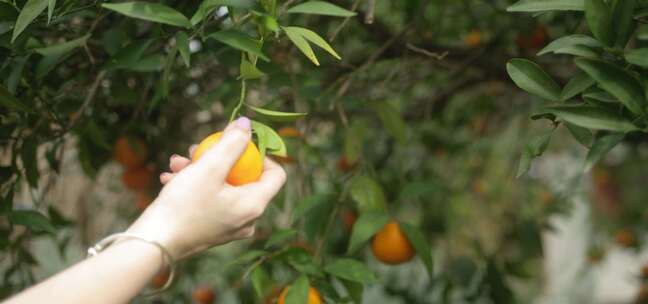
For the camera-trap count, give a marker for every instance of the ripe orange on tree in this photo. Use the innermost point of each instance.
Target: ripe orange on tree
(391, 246)
(138, 178)
(203, 295)
(473, 39)
(246, 170)
(289, 132)
(130, 151)
(349, 218)
(142, 200)
(345, 165)
(314, 296)
(537, 39)
(625, 238)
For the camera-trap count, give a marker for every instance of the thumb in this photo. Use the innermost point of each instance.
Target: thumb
(223, 155)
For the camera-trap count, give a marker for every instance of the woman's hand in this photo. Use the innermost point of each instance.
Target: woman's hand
(197, 209)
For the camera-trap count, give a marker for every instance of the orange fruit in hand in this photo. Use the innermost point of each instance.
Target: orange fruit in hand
(130, 152)
(137, 178)
(391, 246)
(314, 296)
(203, 295)
(247, 169)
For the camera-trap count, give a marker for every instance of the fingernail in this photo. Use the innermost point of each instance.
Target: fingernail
(174, 156)
(243, 123)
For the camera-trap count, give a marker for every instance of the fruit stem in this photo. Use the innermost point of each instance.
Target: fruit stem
(241, 101)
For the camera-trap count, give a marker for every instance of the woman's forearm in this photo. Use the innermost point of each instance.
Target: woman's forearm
(114, 276)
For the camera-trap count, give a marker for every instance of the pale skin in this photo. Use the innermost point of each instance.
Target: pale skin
(195, 210)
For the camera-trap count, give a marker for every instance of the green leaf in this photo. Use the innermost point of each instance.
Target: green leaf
(320, 8)
(30, 160)
(280, 236)
(533, 6)
(300, 38)
(10, 102)
(533, 149)
(582, 135)
(530, 77)
(166, 75)
(250, 71)
(247, 257)
(298, 291)
(599, 20)
(17, 68)
(313, 38)
(593, 118)
(576, 85)
(601, 146)
(276, 115)
(51, 4)
(261, 281)
(29, 12)
(269, 139)
(354, 289)
(308, 203)
(579, 50)
(31, 219)
(128, 56)
(416, 237)
(240, 41)
(638, 57)
(350, 269)
(182, 43)
(150, 63)
(615, 81)
(207, 6)
(63, 48)
(302, 45)
(353, 141)
(150, 11)
(301, 260)
(570, 41)
(368, 194)
(391, 119)
(367, 224)
(623, 20)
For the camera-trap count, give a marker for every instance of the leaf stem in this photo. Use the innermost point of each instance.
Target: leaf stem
(241, 101)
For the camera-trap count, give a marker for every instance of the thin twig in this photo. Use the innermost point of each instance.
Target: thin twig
(425, 52)
(89, 98)
(371, 8)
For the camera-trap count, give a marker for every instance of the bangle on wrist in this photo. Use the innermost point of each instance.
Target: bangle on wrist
(166, 255)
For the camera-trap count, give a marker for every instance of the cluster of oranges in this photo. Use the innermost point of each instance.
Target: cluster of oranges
(132, 153)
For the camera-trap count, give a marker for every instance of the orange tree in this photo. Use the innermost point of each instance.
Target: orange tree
(409, 123)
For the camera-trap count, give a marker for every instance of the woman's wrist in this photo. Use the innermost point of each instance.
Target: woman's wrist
(154, 225)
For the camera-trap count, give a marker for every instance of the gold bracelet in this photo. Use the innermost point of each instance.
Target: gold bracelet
(168, 258)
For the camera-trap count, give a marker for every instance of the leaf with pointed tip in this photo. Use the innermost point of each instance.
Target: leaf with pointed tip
(615, 81)
(277, 115)
(600, 147)
(61, 49)
(367, 224)
(599, 19)
(28, 13)
(182, 43)
(534, 6)
(592, 117)
(150, 11)
(320, 8)
(530, 77)
(576, 85)
(570, 41)
(240, 41)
